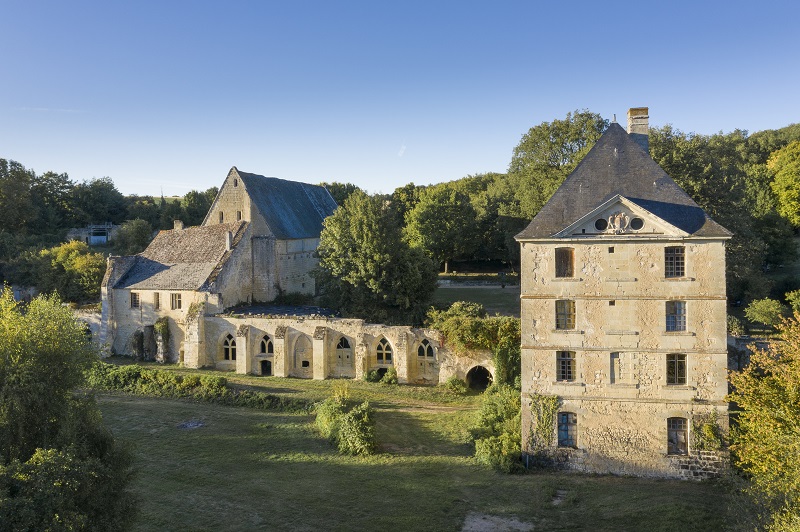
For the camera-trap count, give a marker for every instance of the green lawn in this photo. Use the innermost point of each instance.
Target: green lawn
(496, 300)
(246, 469)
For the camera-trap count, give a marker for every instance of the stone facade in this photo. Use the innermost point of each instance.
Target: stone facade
(623, 316)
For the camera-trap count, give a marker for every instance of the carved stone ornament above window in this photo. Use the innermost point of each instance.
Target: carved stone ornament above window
(618, 223)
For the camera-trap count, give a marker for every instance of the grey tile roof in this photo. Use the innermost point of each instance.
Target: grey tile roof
(292, 210)
(182, 259)
(618, 165)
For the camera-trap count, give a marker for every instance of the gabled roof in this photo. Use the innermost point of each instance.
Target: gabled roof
(617, 165)
(292, 210)
(182, 259)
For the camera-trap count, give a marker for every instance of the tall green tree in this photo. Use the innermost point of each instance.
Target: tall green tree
(196, 205)
(340, 191)
(366, 268)
(98, 201)
(766, 437)
(133, 237)
(785, 165)
(70, 269)
(442, 223)
(60, 469)
(16, 205)
(546, 155)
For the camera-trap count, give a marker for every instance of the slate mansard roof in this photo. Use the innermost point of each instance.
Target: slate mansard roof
(617, 165)
(292, 210)
(182, 259)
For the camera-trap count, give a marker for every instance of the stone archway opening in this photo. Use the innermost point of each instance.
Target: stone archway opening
(479, 378)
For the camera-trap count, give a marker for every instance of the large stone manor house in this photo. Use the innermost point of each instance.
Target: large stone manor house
(623, 312)
(205, 285)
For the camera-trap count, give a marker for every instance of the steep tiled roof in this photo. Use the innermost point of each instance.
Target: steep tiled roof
(292, 210)
(617, 165)
(182, 259)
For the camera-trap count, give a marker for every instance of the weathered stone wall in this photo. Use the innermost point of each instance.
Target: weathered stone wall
(620, 391)
(234, 282)
(233, 203)
(295, 259)
(314, 341)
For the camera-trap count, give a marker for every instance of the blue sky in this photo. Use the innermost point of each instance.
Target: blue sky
(169, 95)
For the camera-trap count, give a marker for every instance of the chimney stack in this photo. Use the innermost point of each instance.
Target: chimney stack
(639, 126)
(177, 225)
(228, 240)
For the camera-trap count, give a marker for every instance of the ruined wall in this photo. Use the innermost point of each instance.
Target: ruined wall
(295, 259)
(620, 344)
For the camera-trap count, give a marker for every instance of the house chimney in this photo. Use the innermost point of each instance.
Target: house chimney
(639, 126)
(177, 225)
(228, 240)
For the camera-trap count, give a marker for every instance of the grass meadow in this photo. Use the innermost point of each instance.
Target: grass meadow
(496, 300)
(210, 467)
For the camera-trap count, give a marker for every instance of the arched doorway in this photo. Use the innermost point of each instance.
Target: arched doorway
(266, 368)
(479, 378)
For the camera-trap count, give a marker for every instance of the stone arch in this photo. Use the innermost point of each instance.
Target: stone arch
(345, 358)
(383, 352)
(228, 345)
(427, 367)
(479, 378)
(302, 357)
(266, 346)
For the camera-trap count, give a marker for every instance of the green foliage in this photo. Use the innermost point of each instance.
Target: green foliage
(139, 380)
(390, 377)
(328, 415)
(133, 237)
(442, 223)
(340, 191)
(352, 430)
(543, 412)
(455, 385)
(765, 440)
(161, 326)
(373, 375)
(785, 166)
(466, 328)
(735, 326)
(497, 431)
(707, 433)
(766, 311)
(793, 298)
(59, 467)
(367, 270)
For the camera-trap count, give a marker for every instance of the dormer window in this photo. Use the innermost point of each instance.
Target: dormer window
(565, 262)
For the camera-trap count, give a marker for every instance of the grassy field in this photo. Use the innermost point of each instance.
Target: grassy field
(496, 300)
(244, 469)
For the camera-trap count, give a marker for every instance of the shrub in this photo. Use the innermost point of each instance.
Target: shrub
(455, 385)
(329, 415)
(765, 311)
(735, 326)
(390, 377)
(500, 452)
(373, 375)
(497, 432)
(357, 431)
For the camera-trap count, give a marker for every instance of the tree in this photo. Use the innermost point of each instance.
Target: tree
(70, 269)
(16, 207)
(60, 469)
(766, 311)
(196, 205)
(340, 191)
(367, 270)
(766, 437)
(133, 237)
(442, 223)
(547, 154)
(98, 201)
(785, 164)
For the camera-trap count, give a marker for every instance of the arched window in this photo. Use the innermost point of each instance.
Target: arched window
(425, 349)
(229, 348)
(344, 353)
(384, 352)
(266, 346)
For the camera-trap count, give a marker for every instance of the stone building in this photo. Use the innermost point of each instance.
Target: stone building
(623, 312)
(193, 296)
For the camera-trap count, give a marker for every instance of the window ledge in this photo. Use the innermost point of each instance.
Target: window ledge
(624, 385)
(622, 333)
(568, 279)
(677, 279)
(621, 280)
(678, 333)
(566, 331)
(569, 383)
(683, 387)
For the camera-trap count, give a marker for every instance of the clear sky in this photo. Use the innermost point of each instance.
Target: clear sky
(168, 95)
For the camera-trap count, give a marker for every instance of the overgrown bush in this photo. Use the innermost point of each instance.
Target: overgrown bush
(390, 377)
(735, 326)
(329, 415)
(497, 431)
(351, 429)
(373, 375)
(455, 385)
(138, 380)
(708, 435)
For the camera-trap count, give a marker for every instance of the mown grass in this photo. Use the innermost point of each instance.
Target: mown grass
(246, 469)
(496, 300)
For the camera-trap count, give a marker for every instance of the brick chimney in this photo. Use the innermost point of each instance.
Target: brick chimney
(177, 225)
(639, 126)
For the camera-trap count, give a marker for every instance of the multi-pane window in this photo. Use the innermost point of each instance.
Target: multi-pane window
(676, 316)
(674, 264)
(565, 365)
(344, 353)
(567, 429)
(267, 347)
(565, 314)
(156, 300)
(677, 436)
(425, 349)
(676, 368)
(229, 348)
(135, 302)
(384, 352)
(175, 300)
(565, 264)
